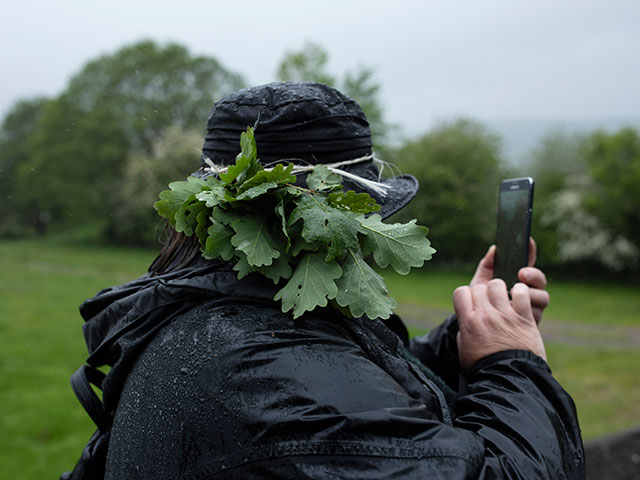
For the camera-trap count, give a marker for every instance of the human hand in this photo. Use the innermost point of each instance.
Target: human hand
(489, 322)
(533, 277)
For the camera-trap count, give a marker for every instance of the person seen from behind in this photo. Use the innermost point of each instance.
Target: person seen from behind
(262, 344)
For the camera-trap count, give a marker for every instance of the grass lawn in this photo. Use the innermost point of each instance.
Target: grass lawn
(572, 302)
(43, 427)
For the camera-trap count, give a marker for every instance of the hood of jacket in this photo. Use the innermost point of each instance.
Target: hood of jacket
(137, 308)
(121, 320)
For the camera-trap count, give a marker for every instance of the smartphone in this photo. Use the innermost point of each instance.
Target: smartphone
(515, 205)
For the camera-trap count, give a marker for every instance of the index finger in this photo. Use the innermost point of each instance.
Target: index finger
(484, 272)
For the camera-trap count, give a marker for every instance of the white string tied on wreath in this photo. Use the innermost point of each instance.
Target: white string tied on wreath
(375, 186)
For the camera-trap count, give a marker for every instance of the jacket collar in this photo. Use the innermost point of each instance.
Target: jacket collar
(141, 306)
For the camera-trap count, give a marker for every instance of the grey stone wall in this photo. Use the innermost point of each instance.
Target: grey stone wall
(614, 457)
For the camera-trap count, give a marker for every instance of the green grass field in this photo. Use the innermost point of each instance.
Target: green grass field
(43, 428)
(590, 302)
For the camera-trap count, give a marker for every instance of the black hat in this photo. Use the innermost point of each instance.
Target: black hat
(303, 123)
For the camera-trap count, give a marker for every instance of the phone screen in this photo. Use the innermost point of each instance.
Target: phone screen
(514, 224)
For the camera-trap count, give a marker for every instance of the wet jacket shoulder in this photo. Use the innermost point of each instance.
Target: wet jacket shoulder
(236, 389)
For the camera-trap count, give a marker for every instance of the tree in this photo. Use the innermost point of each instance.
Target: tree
(614, 165)
(74, 164)
(15, 137)
(585, 211)
(148, 87)
(309, 64)
(306, 65)
(581, 237)
(459, 169)
(362, 87)
(174, 154)
(558, 157)
(118, 104)
(559, 168)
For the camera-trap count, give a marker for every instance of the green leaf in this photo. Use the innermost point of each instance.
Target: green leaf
(311, 285)
(254, 240)
(283, 221)
(400, 245)
(362, 290)
(301, 246)
(242, 266)
(264, 180)
(327, 225)
(172, 200)
(355, 202)
(280, 268)
(248, 147)
(233, 171)
(247, 164)
(256, 191)
(186, 217)
(204, 220)
(321, 179)
(222, 215)
(216, 196)
(213, 182)
(218, 244)
(293, 191)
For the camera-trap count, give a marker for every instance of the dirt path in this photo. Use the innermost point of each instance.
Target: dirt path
(583, 334)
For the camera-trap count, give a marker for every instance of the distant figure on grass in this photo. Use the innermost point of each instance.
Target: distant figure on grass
(262, 344)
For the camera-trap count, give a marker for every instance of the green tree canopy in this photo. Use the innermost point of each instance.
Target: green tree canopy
(173, 155)
(306, 65)
(584, 209)
(116, 105)
(147, 87)
(558, 166)
(614, 164)
(459, 170)
(15, 138)
(557, 157)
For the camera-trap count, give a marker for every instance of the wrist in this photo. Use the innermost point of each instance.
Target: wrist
(505, 355)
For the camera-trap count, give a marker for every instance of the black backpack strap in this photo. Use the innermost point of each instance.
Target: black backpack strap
(81, 382)
(91, 465)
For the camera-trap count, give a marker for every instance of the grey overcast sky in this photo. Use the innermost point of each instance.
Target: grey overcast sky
(493, 60)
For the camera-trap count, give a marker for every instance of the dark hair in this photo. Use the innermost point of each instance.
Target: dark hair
(179, 251)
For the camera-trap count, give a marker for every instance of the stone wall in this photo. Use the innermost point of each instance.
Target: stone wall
(614, 457)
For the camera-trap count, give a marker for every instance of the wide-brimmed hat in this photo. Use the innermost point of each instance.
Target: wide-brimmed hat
(303, 123)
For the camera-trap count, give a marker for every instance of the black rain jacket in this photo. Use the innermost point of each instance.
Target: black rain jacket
(211, 380)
